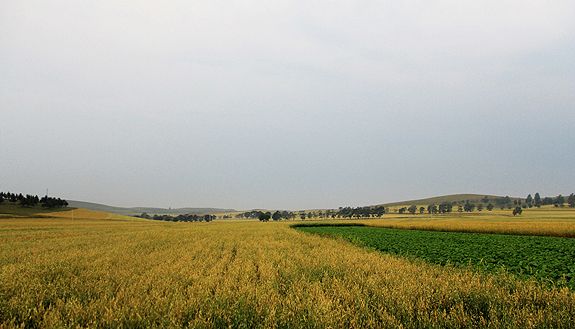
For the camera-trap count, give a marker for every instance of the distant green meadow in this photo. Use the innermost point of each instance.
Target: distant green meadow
(547, 259)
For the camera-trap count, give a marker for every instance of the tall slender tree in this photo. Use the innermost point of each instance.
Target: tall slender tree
(529, 201)
(537, 200)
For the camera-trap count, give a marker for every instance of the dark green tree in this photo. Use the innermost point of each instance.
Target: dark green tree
(529, 201)
(264, 216)
(537, 200)
(145, 215)
(468, 207)
(445, 207)
(277, 215)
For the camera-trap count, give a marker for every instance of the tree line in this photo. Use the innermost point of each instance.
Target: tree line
(342, 212)
(558, 201)
(29, 200)
(486, 203)
(265, 216)
(180, 218)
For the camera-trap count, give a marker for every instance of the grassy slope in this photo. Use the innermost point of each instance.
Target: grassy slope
(149, 210)
(435, 200)
(443, 198)
(94, 269)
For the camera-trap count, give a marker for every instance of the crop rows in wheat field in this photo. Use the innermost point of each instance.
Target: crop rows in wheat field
(548, 259)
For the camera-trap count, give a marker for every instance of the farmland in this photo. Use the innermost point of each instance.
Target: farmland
(91, 269)
(546, 221)
(548, 259)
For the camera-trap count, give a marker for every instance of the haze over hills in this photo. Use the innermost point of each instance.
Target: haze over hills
(473, 198)
(139, 210)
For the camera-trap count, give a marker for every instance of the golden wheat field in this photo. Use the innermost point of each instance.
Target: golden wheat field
(90, 269)
(549, 221)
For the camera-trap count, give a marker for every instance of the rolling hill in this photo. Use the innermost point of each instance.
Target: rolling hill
(138, 210)
(474, 198)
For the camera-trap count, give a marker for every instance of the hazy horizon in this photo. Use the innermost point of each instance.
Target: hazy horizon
(288, 104)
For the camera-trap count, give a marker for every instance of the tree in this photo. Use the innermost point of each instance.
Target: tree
(402, 210)
(517, 211)
(264, 216)
(412, 209)
(302, 215)
(490, 207)
(560, 200)
(537, 200)
(468, 207)
(145, 215)
(379, 211)
(432, 209)
(445, 207)
(547, 201)
(277, 215)
(529, 201)
(480, 207)
(570, 200)
(421, 210)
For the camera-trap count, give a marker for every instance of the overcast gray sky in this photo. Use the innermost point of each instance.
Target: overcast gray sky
(286, 104)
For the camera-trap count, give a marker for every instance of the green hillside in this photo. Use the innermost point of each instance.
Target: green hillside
(474, 198)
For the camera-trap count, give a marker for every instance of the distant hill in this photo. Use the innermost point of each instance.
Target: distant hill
(139, 210)
(473, 198)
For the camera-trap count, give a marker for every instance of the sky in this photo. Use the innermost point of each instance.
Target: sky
(286, 104)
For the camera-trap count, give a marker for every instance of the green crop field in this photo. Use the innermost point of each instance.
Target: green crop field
(548, 259)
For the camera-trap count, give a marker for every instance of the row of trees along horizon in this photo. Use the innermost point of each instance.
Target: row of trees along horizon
(486, 203)
(29, 200)
(180, 218)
